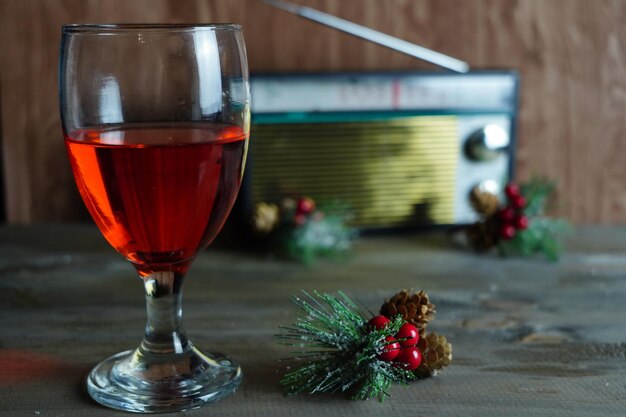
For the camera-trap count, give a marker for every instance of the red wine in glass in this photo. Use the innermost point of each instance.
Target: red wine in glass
(159, 193)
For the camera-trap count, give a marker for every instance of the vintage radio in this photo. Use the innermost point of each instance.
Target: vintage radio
(401, 149)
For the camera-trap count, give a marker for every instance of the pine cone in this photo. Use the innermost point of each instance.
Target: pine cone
(265, 217)
(436, 353)
(483, 236)
(484, 202)
(415, 308)
(288, 205)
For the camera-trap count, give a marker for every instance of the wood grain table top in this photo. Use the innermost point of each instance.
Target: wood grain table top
(529, 337)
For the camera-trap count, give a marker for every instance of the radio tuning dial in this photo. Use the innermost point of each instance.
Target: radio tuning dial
(487, 143)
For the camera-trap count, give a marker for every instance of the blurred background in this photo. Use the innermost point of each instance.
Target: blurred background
(571, 56)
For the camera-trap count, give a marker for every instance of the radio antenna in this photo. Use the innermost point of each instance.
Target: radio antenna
(397, 44)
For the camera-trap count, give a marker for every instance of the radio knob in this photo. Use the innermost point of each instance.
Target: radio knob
(487, 143)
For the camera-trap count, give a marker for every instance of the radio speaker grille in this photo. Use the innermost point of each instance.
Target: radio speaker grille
(392, 173)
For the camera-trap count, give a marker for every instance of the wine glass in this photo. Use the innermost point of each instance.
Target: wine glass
(156, 121)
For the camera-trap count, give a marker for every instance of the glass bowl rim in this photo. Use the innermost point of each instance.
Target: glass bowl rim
(109, 28)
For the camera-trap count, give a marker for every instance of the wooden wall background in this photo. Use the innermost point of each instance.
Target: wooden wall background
(571, 55)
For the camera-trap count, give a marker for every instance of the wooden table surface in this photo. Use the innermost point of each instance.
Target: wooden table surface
(530, 338)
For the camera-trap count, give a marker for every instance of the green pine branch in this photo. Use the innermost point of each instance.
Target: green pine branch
(544, 235)
(328, 237)
(337, 351)
(537, 192)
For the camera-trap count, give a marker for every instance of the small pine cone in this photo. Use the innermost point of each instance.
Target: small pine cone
(415, 308)
(436, 353)
(484, 202)
(483, 236)
(287, 205)
(265, 217)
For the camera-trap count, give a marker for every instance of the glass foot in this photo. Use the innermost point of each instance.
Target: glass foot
(145, 382)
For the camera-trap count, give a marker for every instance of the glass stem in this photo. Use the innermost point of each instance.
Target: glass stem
(164, 331)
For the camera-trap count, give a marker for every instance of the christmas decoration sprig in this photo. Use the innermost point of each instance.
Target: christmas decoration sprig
(302, 230)
(518, 227)
(338, 350)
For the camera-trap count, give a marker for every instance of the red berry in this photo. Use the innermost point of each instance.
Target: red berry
(299, 219)
(391, 350)
(512, 190)
(409, 358)
(507, 231)
(507, 214)
(518, 202)
(521, 222)
(305, 206)
(410, 333)
(379, 322)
